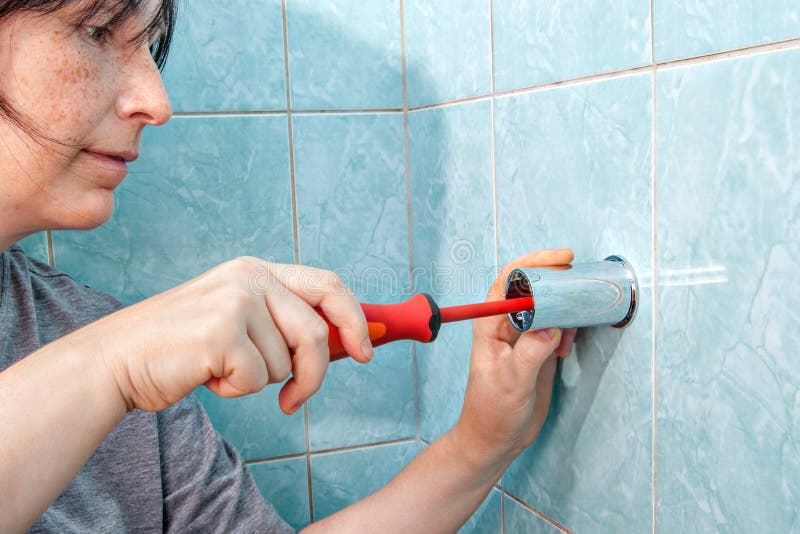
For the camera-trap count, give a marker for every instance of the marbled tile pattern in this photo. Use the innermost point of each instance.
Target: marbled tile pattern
(728, 220)
(351, 202)
(574, 169)
(345, 54)
(453, 218)
(35, 246)
(541, 41)
(205, 190)
(448, 50)
(254, 424)
(685, 28)
(227, 56)
(519, 520)
(284, 483)
(486, 519)
(339, 479)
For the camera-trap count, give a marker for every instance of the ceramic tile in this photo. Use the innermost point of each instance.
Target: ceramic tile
(453, 218)
(205, 190)
(448, 50)
(254, 424)
(574, 169)
(728, 375)
(541, 41)
(227, 56)
(486, 519)
(520, 520)
(345, 54)
(685, 28)
(284, 483)
(341, 478)
(351, 198)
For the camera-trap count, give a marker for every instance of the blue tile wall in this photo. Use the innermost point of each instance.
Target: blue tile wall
(728, 375)
(519, 520)
(351, 202)
(339, 479)
(284, 483)
(685, 28)
(487, 518)
(448, 50)
(541, 41)
(574, 169)
(227, 56)
(345, 54)
(453, 218)
(571, 166)
(254, 424)
(205, 190)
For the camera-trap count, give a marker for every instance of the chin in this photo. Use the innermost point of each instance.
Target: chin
(93, 210)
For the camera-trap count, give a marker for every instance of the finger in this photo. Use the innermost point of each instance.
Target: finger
(532, 349)
(241, 371)
(266, 337)
(324, 289)
(544, 392)
(498, 327)
(306, 335)
(564, 348)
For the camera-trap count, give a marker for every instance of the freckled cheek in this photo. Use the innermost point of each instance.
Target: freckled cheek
(74, 101)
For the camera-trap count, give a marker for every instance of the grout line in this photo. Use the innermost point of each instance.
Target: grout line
(409, 211)
(652, 36)
(284, 111)
(744, 51)
(228, 113)
(537, 512)
(275, 458)
(51, 252)
(451, 102)
(362, 446)
(654, 305)
(296, 233)
(494, 150)
(376, 111)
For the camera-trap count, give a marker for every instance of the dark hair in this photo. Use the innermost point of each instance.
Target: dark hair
(118, 11)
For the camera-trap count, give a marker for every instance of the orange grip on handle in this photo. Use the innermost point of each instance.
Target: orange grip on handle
(416, 319)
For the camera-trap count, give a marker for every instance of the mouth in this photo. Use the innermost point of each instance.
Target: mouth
(113, 164)
(124, 156)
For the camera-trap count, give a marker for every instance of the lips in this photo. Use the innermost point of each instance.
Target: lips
(125, 156)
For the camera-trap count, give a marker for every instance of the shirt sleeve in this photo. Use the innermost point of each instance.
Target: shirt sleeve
(206, 486)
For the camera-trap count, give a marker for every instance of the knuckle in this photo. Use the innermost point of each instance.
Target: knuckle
(317, 332)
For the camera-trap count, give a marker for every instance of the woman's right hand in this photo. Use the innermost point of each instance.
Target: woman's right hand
(236, 328)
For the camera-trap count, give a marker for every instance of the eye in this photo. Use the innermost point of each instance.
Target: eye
(98, 34)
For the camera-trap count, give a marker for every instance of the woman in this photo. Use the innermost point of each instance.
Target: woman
(99, 429)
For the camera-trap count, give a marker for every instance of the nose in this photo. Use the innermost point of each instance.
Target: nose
(143, 97)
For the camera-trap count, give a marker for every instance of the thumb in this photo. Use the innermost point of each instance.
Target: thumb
(533, 348)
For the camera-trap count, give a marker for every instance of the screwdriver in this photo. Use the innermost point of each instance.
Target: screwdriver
(419, 319)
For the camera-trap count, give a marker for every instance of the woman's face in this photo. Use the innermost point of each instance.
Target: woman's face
(88, 88)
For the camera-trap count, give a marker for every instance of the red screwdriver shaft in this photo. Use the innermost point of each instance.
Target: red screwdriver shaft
(485, 309)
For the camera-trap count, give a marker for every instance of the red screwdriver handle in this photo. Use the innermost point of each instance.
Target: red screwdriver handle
(417, 318)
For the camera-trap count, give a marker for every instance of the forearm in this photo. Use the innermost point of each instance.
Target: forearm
(437, 492)
(56, 407)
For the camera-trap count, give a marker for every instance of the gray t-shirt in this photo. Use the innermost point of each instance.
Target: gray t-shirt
(165, 471)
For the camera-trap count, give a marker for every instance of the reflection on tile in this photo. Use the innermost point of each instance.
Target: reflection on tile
(448, 50)
(254, 424)
(574, 169)
(205, 190)
(453, 217)
(685, 28)
(345, 54)
(541, 41)
(227, 56)
(519, 520)
(351, 202)
(728, 377)
(339, 479)
(35, 246)
(486, 519)
(284, 483)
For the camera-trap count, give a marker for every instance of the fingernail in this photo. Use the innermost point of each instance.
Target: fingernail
(366, 348)
(546, 334)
